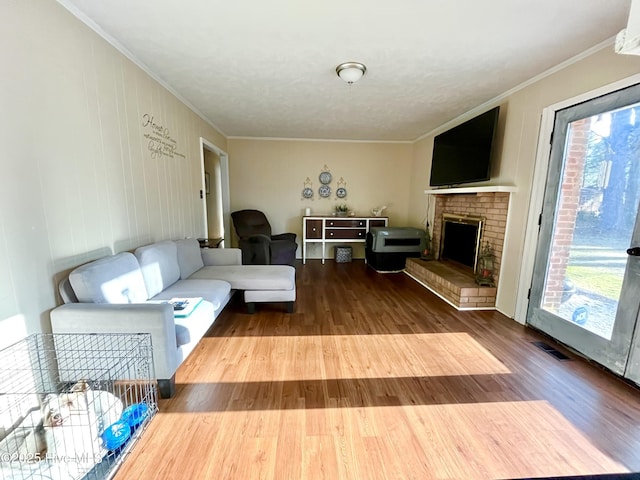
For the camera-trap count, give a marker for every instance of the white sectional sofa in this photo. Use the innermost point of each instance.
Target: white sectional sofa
(128, 293)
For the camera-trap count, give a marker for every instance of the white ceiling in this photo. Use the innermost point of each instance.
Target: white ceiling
(266, 68)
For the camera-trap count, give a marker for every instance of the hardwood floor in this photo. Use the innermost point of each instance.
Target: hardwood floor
(373, 377)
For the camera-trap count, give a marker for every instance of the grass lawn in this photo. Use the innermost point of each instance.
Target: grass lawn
(601, 280)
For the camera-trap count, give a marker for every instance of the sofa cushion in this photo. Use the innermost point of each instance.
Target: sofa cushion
(189, 257)
(213, 291)
(159, 265)
(252, 277)
(112, 279)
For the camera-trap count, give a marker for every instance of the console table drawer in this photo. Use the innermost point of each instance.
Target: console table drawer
(342, 223)
(345, 233)
(314, 229)
(322, 231)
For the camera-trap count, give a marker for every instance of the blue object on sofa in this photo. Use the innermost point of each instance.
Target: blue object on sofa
(258, 245)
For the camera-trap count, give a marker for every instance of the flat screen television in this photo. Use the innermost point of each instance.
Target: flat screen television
(463, 154)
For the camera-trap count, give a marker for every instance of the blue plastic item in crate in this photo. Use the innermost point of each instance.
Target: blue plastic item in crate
(135, 414)
(116, 435)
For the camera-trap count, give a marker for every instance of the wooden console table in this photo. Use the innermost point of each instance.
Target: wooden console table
(325, 229)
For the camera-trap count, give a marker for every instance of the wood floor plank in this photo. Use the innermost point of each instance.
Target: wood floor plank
(319, 457)
(289, 453)
(373, 377)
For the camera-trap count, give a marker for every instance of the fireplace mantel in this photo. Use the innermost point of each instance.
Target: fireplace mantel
(480, 189)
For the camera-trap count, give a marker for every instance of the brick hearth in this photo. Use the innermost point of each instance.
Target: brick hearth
(452, 284)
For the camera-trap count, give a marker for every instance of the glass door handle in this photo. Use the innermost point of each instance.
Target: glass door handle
(634, 251)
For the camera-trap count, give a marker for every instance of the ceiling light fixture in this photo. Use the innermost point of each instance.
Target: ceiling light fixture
(351, 72)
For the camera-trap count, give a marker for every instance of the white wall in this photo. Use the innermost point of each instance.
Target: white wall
(79, 179)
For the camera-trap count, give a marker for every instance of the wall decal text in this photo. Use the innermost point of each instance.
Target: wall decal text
(160, 142)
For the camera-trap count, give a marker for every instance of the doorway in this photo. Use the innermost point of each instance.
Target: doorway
(215, 191)
(586, 286)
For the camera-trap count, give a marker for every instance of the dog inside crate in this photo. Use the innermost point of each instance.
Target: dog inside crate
(69, 429)
(74, 420)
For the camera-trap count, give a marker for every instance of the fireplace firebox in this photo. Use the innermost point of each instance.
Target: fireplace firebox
(460, 239)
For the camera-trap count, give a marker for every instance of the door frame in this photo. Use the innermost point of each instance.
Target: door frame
(538, 186)
(544, 313)
(224, 183)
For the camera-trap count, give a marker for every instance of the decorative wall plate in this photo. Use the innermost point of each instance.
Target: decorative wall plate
(324, 191)
(341, 192)
(325, 178)
(307, 192)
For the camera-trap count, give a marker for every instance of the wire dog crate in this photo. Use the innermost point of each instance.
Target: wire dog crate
(73, 405)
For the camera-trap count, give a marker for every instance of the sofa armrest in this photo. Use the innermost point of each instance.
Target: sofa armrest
(154, 318)
(221, 256)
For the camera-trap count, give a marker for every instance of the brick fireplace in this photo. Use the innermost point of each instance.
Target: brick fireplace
(453, 281)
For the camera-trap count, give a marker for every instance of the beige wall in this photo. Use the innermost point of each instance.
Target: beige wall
(269, 175)
(79, 180)
(215, 228)
(519, 126)
(421, 166)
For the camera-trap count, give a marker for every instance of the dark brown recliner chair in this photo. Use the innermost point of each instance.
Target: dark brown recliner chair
(258, 246)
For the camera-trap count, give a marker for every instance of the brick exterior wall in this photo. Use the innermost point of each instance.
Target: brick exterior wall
(567, 212)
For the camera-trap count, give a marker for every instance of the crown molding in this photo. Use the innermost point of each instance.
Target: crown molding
(291, 139)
